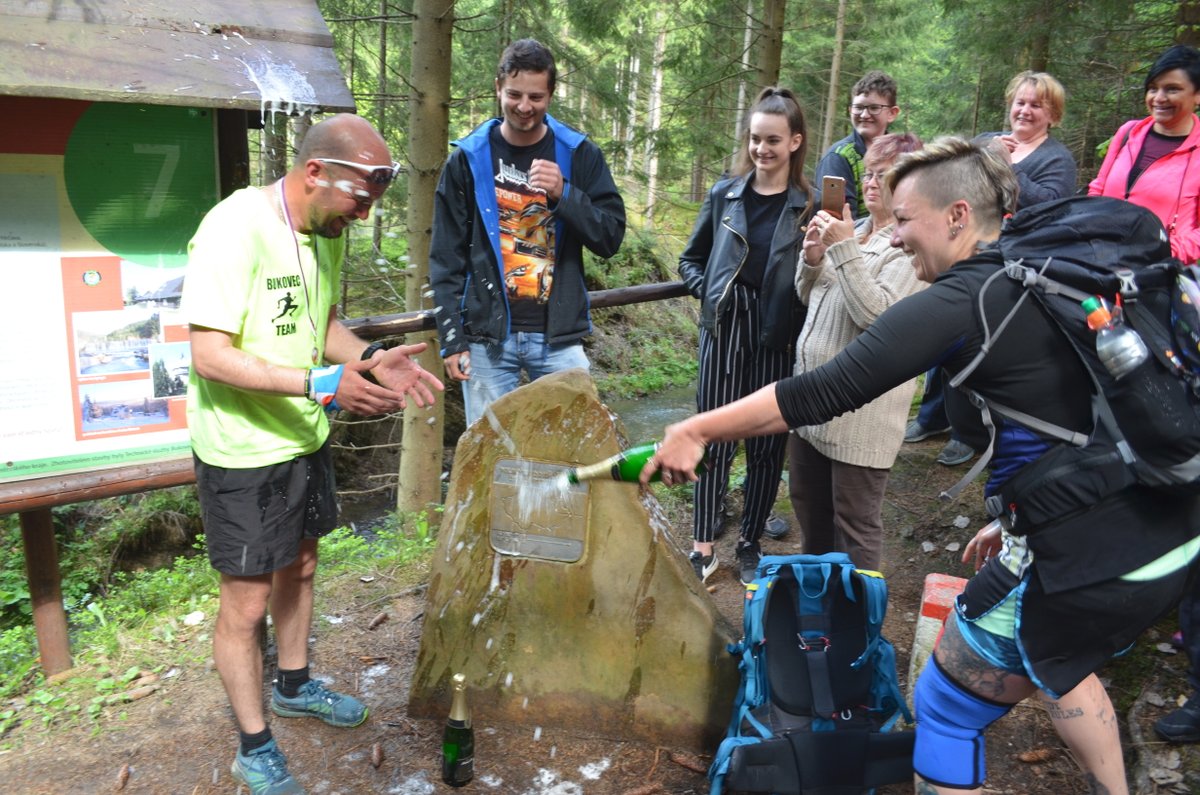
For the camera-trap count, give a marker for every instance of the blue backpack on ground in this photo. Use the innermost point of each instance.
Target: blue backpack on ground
(819, 694)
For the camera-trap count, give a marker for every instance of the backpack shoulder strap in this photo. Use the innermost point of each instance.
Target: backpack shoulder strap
(815, 581)
(886, 687)
(1015, 270)
(977, 400)
(753, 691)
(1035, 282)
(875, 595)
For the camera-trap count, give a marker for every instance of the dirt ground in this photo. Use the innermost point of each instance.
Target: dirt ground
(181, 738)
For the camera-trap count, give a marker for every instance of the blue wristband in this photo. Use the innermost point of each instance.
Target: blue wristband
(325, 382)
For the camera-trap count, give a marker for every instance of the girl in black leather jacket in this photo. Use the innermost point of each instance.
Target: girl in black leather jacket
(741, 262)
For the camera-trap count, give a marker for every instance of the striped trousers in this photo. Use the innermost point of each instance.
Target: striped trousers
(733, 365)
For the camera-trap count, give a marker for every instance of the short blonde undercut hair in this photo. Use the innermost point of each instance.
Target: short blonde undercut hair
(954, 169)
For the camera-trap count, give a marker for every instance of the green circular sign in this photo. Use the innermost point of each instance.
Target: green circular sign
(140, 178)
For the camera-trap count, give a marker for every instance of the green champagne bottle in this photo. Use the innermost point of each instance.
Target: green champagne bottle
(458, 741)
(625, 466)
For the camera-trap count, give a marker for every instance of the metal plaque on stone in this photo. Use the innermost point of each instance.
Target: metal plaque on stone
(534, 514)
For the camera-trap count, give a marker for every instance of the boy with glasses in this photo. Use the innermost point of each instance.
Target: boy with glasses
(518, 200)
(872, 108)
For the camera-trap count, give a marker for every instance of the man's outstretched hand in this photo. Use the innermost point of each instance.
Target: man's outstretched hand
(397, 370)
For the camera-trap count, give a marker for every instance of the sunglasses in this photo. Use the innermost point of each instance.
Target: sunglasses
(376, 175)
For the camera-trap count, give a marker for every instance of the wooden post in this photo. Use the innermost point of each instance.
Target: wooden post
(45, 592)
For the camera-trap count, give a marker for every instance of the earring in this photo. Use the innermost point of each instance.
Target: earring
(954, 232)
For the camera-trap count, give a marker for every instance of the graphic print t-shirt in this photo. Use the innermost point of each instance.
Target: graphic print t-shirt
(526, 230)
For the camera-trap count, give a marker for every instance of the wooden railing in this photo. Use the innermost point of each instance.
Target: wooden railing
(34, 498)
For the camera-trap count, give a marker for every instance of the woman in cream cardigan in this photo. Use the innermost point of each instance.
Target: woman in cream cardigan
(848, 277)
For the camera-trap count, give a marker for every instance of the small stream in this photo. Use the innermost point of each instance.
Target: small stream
(645, 417)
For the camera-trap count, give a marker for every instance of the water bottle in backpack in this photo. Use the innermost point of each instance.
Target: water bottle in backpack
(1119, 347)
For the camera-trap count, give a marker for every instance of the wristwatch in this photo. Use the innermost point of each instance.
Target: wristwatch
(367, 353)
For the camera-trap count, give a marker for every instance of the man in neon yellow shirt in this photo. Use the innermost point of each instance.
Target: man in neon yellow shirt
(269, 358)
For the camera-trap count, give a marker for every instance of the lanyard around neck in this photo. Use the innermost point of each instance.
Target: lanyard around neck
(287, 219)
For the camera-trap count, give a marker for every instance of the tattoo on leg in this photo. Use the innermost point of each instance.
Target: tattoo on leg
(976, 674)
(1058, 713)
(1095, 787)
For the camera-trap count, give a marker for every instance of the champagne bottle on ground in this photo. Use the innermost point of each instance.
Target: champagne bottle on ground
(458, 741)
(625, 466)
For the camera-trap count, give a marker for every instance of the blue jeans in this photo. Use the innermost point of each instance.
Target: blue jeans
(962, 419)
(932, 413)
(496, 369)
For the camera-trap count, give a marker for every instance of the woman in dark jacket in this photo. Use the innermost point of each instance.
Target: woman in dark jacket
(741, 263)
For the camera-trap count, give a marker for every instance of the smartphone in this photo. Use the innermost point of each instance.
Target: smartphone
(833, 195)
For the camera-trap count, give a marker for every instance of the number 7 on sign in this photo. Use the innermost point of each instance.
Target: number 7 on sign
(170, 156)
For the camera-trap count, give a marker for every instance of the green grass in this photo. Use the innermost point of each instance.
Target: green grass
(138, 625)
(644, 348)
(95, 540)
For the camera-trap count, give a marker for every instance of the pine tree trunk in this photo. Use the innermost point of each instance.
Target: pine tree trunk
(770, 46)
(420, 483)
(274, 152)
(835, 73)
(660, 47)
(635, 70)
(381, 115)
(1187, 17)
(740, 111)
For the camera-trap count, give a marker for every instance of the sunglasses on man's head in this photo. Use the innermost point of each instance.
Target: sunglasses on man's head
(376, 175)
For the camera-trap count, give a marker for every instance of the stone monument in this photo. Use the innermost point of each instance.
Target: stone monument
(567, 606)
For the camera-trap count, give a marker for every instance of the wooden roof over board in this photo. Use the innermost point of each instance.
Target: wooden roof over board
(247, 54)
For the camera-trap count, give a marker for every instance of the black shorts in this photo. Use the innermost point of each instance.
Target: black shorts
(1076, 609)
(254, 519)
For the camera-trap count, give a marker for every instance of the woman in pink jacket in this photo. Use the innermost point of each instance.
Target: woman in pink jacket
(1155, 161)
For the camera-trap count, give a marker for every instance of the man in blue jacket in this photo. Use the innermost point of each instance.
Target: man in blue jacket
(518, 200)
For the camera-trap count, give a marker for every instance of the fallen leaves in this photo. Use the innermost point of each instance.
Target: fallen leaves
(137, 693)
(1035, 755)
(690, 762)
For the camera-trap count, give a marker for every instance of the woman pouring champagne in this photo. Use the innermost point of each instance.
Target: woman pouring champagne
(1048, 608)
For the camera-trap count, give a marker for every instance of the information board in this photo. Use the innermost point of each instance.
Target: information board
(97, 204)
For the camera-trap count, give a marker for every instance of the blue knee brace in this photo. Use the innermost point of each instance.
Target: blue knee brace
(950, 724)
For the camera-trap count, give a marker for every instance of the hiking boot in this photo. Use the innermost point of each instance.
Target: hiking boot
(264, 771)
(748, 556)
(776, 527)
(916, 432)
(317, 701)
(1182, 725)
(703, 565)
(955, 453)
